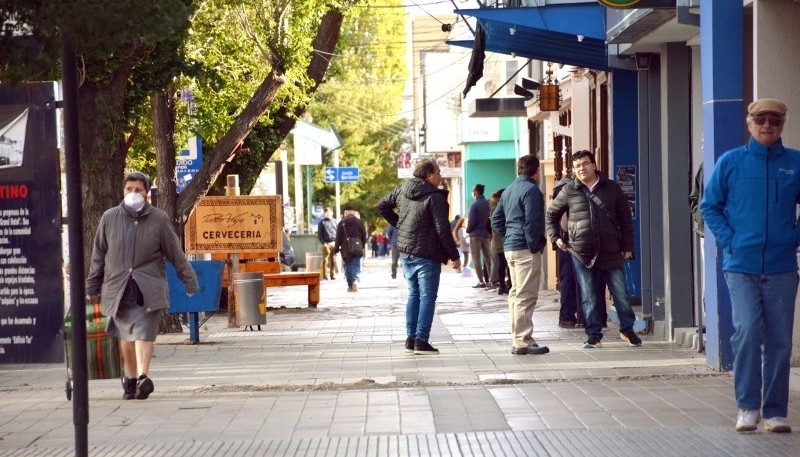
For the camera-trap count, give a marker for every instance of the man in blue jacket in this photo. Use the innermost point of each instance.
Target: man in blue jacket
(750, 206)
(519, 220)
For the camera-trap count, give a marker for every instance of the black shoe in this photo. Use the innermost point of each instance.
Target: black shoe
(129, 388)
(580, 325)
(502, 291)
(480, 285)
(534, 349)
(631, 337)
(409, 345)
(144, 387)
(324, 278)
(567, 324)
(423, 348)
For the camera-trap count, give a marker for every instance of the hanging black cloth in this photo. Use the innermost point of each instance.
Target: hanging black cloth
(476, 61)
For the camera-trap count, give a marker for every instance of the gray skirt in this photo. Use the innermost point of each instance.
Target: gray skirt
(132, 322)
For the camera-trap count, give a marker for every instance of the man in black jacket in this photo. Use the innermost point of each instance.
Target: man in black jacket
(425, 242)
(599, 237)
(351, 228)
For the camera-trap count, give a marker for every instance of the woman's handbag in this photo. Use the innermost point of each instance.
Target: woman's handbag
(355, 248)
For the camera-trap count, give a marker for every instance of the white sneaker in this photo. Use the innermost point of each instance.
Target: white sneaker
(747, 420)
(777, 425)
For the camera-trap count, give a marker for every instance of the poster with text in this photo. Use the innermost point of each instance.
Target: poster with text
(31, 273)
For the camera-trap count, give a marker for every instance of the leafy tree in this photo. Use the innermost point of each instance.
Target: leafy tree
(362, 97)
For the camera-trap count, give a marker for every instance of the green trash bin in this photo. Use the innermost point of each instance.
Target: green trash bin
(251, 306)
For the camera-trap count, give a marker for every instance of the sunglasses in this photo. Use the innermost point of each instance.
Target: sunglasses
(773, 121)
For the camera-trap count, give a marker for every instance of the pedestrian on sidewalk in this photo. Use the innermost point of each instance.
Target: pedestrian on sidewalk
(391, 235)
(519, 219)
(462, 241)
(750, 205)
(351, 237)
(599, 238)
(326, 233)
(128, 278)
(480, 238)
(419, 210)
(500, 271)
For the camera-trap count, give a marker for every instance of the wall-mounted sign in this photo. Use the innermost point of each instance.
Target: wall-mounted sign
(621, 4)
(235, 224)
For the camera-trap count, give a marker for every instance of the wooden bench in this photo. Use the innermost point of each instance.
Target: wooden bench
(296, 278)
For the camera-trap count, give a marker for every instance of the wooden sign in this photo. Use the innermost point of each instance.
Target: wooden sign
(235, 224)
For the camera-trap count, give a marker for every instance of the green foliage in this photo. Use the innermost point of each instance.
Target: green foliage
(362, 97)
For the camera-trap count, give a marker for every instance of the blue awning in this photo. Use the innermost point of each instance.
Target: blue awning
(572, 34)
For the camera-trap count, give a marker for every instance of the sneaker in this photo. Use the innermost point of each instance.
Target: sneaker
(592, 342)
(567, 324)
(480, 285)
(144, 387)
(748, 419)
(129, 388)
(775, 424)
(424, 348)
(534, 349)
(409, 345)
(631, 337)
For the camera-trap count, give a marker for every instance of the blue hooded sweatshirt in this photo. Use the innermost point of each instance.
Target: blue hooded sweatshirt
(750, 206)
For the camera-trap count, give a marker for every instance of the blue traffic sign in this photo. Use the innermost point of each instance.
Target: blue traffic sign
(348, 174)
(341, 174)
(330, 174)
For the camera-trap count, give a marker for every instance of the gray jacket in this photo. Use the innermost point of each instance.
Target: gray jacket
(128, 245)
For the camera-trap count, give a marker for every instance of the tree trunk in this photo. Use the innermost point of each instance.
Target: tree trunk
(324, 44)
(101, 131)
(163, 113)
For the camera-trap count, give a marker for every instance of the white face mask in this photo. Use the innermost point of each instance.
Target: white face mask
(134, 200)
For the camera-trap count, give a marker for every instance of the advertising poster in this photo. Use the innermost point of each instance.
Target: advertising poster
(31, 275)
(626, 178)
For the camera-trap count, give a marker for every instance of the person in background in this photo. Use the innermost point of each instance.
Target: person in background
(128, 278)
(391, 236)
(750, 206)
(326, 233)
(419, 210)
(599, 238)
(350, 227)
(519, 219)
(499, 263)
(462, 241)
(479, 236)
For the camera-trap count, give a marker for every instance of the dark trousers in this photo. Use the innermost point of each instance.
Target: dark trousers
(502, 270)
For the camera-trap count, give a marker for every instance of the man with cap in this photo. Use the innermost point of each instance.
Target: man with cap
(750, 206)
(128, 278)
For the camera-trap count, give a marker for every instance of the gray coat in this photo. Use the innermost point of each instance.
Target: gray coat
(128, 245)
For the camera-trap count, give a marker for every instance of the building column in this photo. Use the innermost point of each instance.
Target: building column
(675, 174)
(722, 43)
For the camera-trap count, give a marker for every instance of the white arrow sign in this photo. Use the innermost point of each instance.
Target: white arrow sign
(327, 138)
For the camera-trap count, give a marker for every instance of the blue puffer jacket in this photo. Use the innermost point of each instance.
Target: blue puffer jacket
(750, 205)
(519, 216)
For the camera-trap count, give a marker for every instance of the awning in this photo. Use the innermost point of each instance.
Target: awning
(572, 34)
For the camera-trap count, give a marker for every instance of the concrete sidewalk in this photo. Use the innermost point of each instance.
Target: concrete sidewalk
(335, 381)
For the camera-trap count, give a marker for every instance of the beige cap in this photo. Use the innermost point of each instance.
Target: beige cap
(767, 105)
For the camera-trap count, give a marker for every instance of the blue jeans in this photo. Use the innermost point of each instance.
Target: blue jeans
(352, 269)
(615, 280)
(422, 276)
(762, 309)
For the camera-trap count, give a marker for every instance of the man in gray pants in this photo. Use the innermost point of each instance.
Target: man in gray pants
(480, 237)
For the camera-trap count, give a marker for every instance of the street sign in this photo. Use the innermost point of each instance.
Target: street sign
(348, 174)
(341, 174)
(330, 174)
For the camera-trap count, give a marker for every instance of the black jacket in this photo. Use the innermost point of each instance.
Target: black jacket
(349, 227)
(593, 237)
(421, 219)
